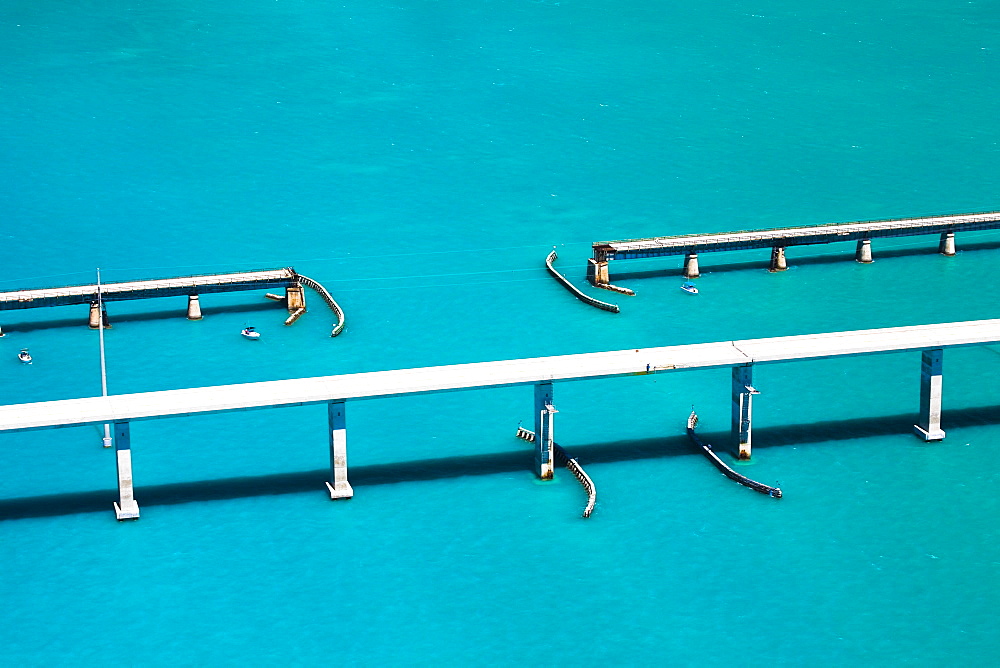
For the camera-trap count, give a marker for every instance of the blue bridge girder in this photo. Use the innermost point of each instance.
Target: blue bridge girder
(150, 288)
(629, 249)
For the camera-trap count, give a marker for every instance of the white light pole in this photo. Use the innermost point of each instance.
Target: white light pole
(104, 371)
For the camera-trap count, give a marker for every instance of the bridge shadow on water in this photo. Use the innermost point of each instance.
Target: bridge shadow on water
(116, 318)
(516, 461)
(708, 267)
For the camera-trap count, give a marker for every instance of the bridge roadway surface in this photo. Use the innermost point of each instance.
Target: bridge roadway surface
(793, 236)
(162, 287)
(400, 382)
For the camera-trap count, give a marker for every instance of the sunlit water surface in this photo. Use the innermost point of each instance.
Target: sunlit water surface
(420, 159)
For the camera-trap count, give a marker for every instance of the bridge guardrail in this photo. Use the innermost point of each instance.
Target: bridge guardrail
(579, 294)
(330, 301)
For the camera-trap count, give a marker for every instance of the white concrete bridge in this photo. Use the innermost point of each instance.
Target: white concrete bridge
(539, 372)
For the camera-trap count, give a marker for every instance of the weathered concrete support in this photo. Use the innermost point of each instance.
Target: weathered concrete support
(97, 316)
(778, 262)
(126, 508)
(864, 252)
(597, 272)
(295, 315)
(194, 308)
(340, 488)
(544, 448)
(947, 244)
(691, 266)
(295, 298)
(742, 410)
(929, 427)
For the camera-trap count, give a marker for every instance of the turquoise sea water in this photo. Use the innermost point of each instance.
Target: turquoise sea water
(420, 158)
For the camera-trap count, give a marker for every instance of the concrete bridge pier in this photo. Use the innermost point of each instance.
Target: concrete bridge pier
(194, 308)
(778, 262)
(691, 266)
(597, 273)
(126, 507)
(340, 488)
(864, 252)
(97, 316)
(742, 410)
(929, 427)
(947, 244)
(544, 447)
(295, 298)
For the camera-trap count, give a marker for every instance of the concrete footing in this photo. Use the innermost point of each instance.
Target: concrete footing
(126, 507)
(947, 244)
(863, 253)
(194, 308)
(691, 266)
(339, 488)
(294, 315)
(295, 298)
(742, 410)
(96, 317)
(778, 262)
(597, 273)
(931, 380)
(544, 437)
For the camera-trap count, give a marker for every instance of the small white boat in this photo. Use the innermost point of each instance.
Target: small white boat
(689, 288)
(24, 356)
(250, 333)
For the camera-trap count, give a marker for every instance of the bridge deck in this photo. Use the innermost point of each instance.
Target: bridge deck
(793, 236)
(301, 391)
(162, 287)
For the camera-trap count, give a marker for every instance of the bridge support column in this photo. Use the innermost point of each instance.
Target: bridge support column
(295, 298)
(947, 244)
(544, 448)
(194, 308)
(96, 317)
(339, 488)
(126, 507)
(597, 272)
(778, 262)
(742, 410)
(864, 252)
(691, 266)
(929, 427)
